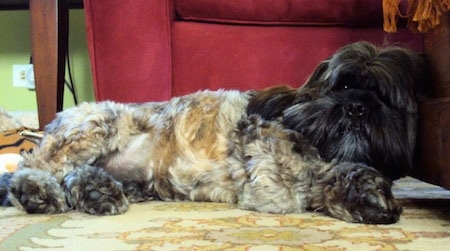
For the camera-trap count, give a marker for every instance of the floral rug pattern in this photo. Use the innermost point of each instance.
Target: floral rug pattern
(424, 225)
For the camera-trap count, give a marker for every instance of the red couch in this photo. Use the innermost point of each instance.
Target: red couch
(145, 50)
(151, 50)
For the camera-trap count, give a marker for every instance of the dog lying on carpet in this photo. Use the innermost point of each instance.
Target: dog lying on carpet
(334, 145)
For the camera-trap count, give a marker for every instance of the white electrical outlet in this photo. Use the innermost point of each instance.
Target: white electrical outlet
(23, 76)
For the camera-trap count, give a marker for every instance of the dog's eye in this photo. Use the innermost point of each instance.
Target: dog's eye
(345, 86)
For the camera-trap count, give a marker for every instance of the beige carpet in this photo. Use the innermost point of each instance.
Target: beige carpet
(424, 225)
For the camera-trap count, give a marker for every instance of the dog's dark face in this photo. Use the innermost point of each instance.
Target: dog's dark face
(358, 106)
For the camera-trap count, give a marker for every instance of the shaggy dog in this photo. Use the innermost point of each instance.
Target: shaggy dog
(333, 145)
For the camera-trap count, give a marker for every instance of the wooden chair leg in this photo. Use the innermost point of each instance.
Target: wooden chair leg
(49, 35)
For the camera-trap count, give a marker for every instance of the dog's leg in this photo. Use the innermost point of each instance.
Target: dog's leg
(92, 190)
(5, 184)
(78, 136)
(37, 191)
(358, 193)
(35, 187)
(137, 191)
(279, 168)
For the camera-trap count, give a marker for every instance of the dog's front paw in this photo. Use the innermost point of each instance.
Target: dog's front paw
(358, 193)
(94, 191)
(36, 191)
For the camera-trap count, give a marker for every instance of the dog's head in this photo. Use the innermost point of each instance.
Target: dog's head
(359, 106)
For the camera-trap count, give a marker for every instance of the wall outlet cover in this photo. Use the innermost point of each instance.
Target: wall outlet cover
(23, 76)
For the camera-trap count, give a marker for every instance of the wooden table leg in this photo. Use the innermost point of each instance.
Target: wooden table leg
(49, 35)
(433, 136)
(437, 49)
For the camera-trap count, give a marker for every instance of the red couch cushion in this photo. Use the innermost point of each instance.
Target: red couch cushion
(270, 12)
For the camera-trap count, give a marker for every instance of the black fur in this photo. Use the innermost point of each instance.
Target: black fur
(360, 105)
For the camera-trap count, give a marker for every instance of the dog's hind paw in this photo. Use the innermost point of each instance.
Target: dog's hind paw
(37, 191)
(92, 190)
(5, 184)
(358, 193)
(137, 191)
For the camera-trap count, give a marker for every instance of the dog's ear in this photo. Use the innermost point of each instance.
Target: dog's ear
(318, 75)
(314, 85)
(271, 102)
(418, 69)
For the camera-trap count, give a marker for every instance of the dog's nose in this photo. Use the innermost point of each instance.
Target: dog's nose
(355, 109)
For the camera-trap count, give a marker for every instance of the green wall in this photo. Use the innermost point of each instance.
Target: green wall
(15, 48)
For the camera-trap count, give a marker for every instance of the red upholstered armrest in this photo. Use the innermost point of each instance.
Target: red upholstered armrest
(130, 49)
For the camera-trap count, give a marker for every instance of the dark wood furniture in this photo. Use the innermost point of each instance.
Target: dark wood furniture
(433, 143)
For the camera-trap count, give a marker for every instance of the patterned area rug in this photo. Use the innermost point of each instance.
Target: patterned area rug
(424, 225)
